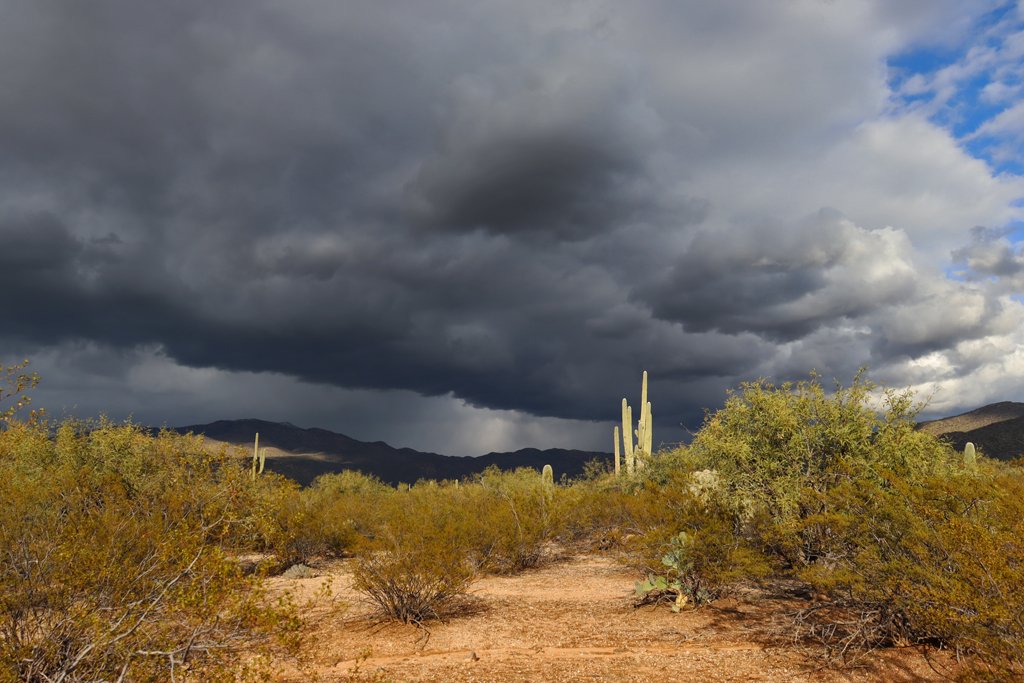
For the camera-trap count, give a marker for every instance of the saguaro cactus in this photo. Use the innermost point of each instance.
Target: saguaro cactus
(547, 475)
(636, 454)
(259, 458)
(627, 435)
(970, 455)
(615, 439)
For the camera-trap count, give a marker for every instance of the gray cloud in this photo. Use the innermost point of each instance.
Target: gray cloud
(507, 207)
(782, 281)
(990, 255)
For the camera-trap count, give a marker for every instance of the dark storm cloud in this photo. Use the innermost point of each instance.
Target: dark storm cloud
(560, 183)
(427, 196)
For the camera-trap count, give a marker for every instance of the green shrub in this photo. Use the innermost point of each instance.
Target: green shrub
(594, 511)
(938, 560)
(513, 517)
(417, 564)
(771, 445)
(691, 540)
(326, 519)
(108, 567)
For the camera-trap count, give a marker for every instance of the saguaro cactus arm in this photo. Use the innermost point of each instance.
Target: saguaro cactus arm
(643, 392)
(627, 430)
(631, 454)
(649, 430)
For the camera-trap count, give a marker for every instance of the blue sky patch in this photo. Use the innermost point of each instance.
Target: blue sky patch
(948, 83)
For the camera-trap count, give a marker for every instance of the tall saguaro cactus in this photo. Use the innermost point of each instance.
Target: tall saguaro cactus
(627, 435)
(639, 453)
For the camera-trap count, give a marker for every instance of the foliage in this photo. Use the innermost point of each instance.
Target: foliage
(933, 561)
(14, 385)
(771, 445)
(109, 566)
(900, 538)
(691, 540)
(117, 545)
(416, 566)
(514, 517)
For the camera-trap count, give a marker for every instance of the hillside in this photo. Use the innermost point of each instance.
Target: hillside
(996, 429)
(304, 454)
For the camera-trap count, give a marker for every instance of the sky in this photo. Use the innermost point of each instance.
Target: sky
(467, 227)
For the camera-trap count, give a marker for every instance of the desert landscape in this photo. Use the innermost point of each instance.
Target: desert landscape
(428, 340)
(802, 535)
(574, 619)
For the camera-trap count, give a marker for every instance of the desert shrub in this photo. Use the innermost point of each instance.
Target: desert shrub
(512, 517)
(771, 446)
(108, 565)
(286, 523)
(349, 502)
(593, 511)
(14, 386)
(688, 542)
(938, 560)
(324, 519)
(417, 564)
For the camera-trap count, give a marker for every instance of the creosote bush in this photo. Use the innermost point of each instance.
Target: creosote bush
(416, 566)
(899, 539)
(514, 517)
(110, 566)
(420, 549)
(692, 540)
(934, 561)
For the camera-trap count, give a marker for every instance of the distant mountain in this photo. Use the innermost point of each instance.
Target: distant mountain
(304, 454)
(997, 430)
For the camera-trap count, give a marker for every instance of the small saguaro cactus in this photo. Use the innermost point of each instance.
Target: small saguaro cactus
(639, 453)
(615, 439)
(970, 455)
(259, 458)
(547, 475)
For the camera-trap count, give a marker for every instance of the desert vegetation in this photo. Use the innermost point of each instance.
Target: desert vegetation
(121, 551)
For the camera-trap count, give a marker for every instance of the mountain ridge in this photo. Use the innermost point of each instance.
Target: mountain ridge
(303, 454)
(996, 429)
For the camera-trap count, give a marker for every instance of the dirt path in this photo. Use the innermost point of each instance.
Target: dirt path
(569, 621)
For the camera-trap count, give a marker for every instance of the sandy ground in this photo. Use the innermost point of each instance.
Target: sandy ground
(572, 620)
